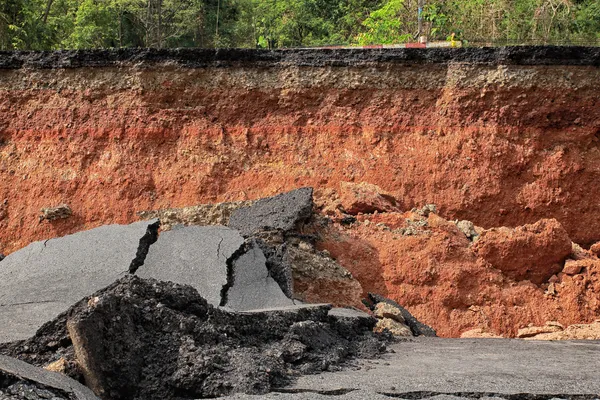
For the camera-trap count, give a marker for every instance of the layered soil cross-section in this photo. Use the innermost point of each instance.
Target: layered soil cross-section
(495, 136)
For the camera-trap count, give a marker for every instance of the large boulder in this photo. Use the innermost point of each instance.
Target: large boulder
(45, 278)
(529, 252)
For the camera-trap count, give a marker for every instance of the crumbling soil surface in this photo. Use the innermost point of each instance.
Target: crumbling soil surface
(428, 265)
(145, 339)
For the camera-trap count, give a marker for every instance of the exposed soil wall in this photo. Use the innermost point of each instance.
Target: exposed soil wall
(500, 137)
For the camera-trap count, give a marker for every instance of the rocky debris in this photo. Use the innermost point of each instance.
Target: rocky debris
(44, 279)
(531, 331)
(284, 212)
(348, 220)
(196, 256)
(22, 381)
(595, 249)
(468, 228)
(201, 215)
(394, 327)
(319, 278)
(417, 328)
(479, 333)
(558, 332)
(365, 198)
(253, 288)
(388, 311)
(425, 210)
(62, 211)
(573, 267)
(530, 252)
(147, 339)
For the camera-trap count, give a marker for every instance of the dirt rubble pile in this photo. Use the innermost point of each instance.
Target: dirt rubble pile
(458, 277)
(147, 339)
(461, 279)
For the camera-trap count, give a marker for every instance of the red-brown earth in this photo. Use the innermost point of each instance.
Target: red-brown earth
(496, 144)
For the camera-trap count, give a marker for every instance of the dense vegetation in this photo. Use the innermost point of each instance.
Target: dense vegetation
(54, 24)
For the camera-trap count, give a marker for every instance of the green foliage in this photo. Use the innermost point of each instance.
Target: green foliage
(53, 24)
(384, 26)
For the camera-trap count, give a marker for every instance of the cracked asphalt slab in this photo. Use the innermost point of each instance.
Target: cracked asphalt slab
(44, 279)
(467, 368)
(196, 256)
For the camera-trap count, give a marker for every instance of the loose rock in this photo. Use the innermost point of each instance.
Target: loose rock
(530, 252)
(62, 211)
(283, 212)
(365, 198)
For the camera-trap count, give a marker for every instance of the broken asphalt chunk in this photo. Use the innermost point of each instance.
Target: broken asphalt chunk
(282, 212)
(253, 287)
(196, 256)
(44, 279)
(25, 381)
(169, 343)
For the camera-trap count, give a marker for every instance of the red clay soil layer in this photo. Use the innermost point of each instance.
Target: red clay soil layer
(496, 136)
(430, 267)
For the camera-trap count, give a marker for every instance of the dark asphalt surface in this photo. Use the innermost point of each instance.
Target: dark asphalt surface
(491, 366)
(202, 58)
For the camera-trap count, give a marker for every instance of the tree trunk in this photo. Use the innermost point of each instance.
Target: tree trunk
(420, 16)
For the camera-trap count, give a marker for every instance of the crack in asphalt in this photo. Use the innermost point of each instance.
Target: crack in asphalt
(479, 395)
(219, 247)
(29, 302)
(231, 273)
(425, 395)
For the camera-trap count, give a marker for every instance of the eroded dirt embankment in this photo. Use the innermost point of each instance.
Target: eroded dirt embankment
(500, 137)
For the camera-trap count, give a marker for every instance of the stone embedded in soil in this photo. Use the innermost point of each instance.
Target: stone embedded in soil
(394, 327)
(595, 249)
(62, 211)
(530, 252)
(19, 380)
(532, 331)
(479, 333)
(196, 256)
(573, 332)
(253, 288)
(417, 328)
(282, 212)
(573, 267)
(385, 310)
(365, 198)
(44, 279)
(145, 339)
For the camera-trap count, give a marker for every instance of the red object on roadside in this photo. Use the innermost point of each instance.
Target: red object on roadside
(416, 45)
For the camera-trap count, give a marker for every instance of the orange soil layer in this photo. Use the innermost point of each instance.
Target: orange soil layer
(439, 276)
